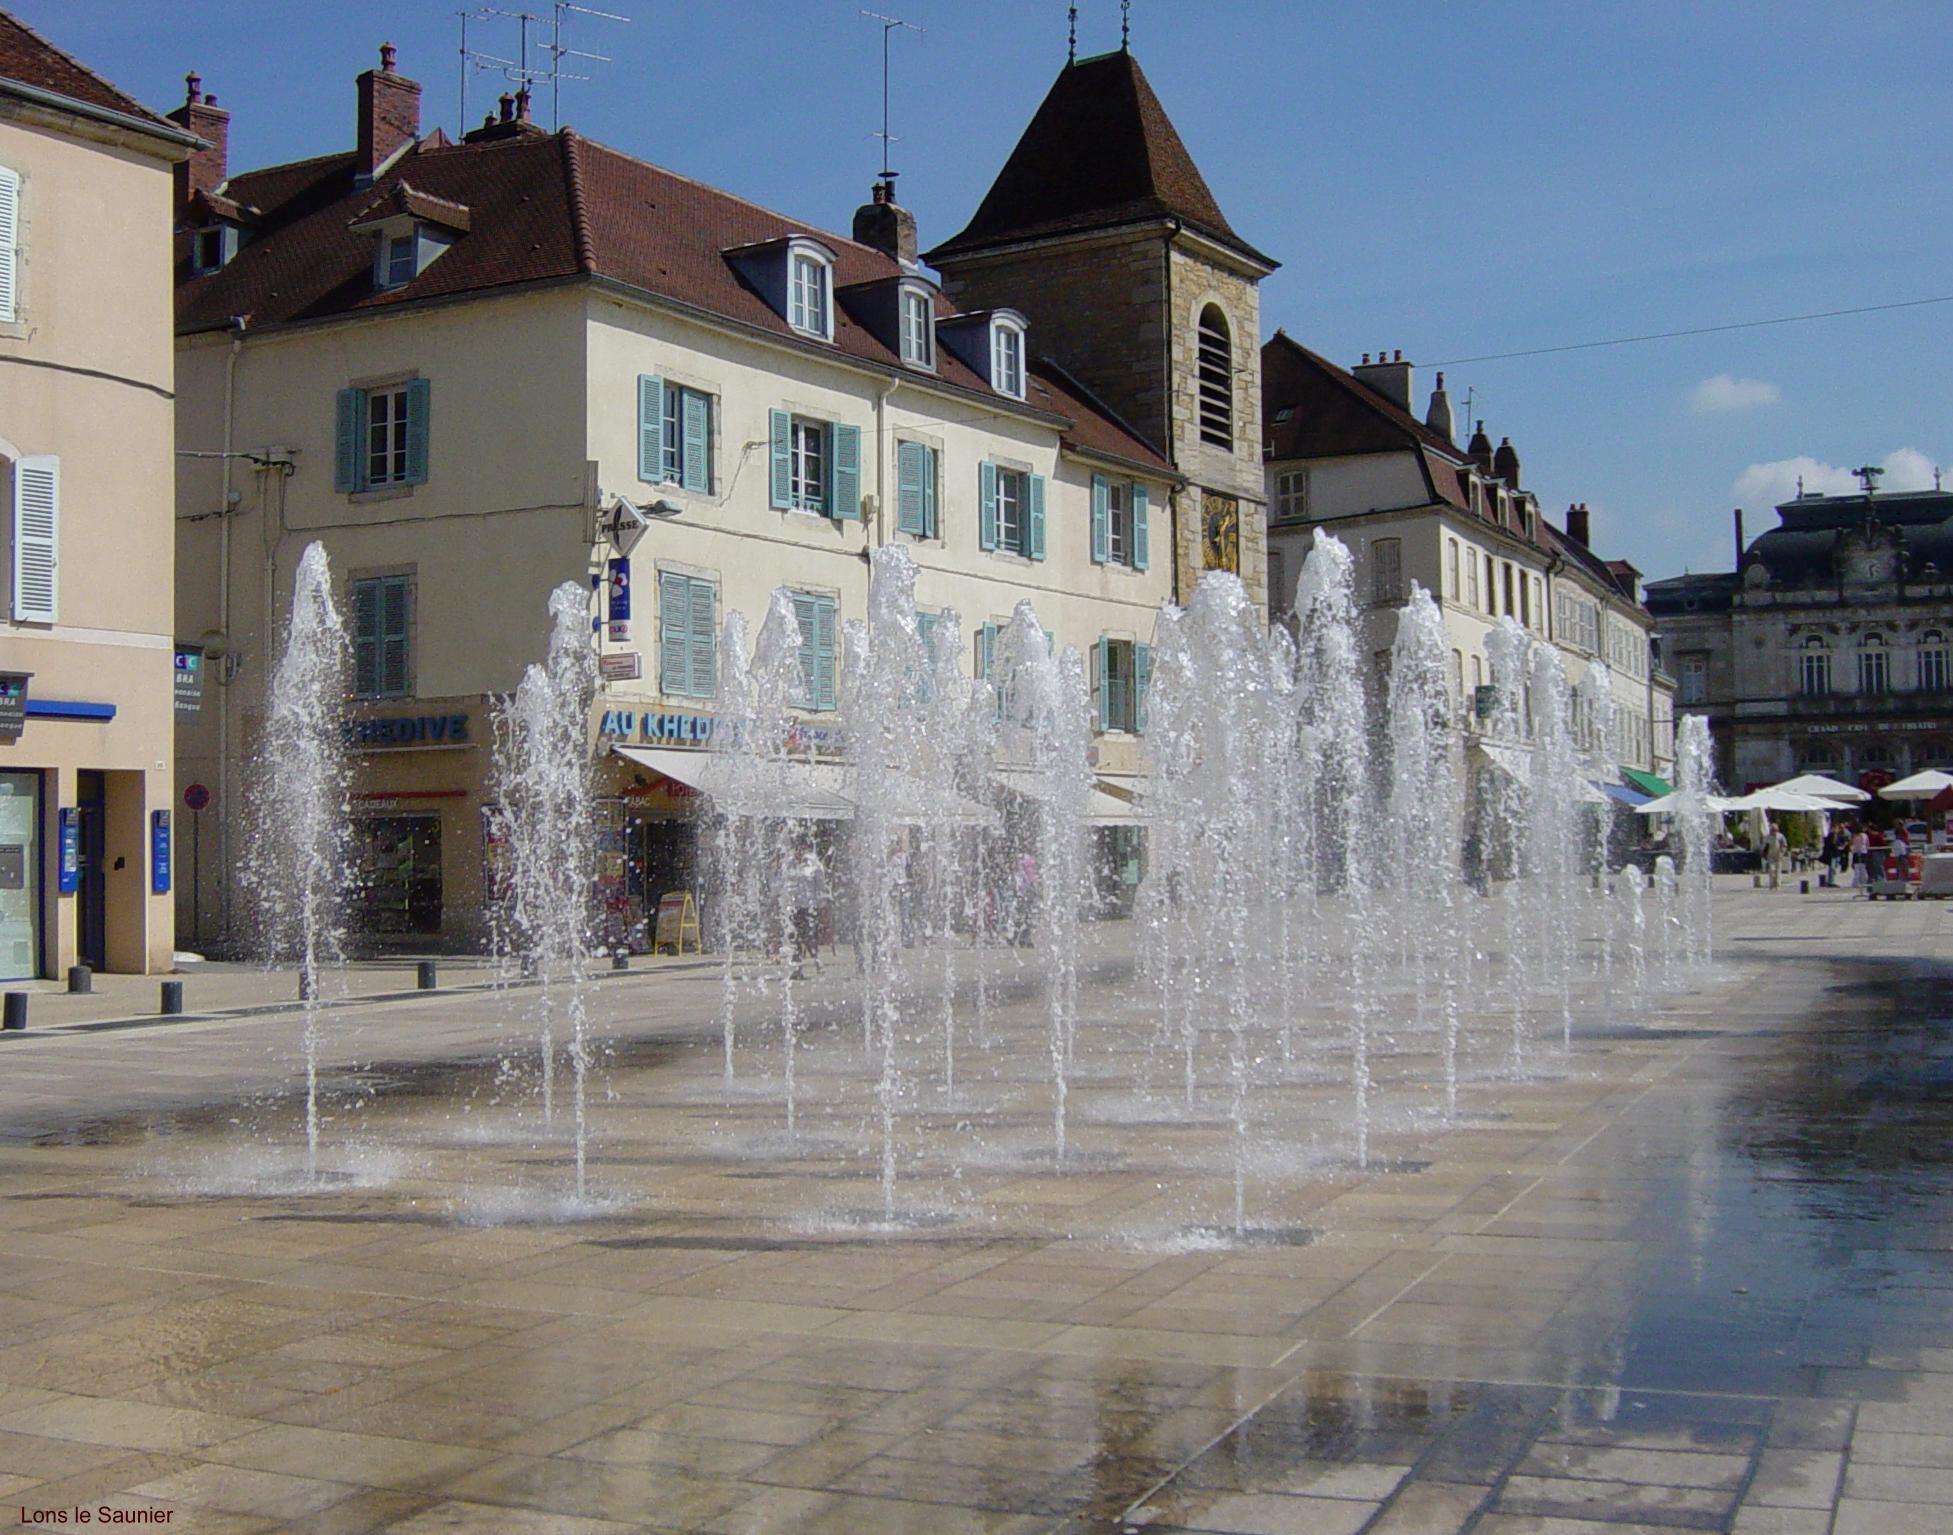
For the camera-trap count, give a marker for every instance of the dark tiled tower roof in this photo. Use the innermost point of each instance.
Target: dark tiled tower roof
(1099, 153)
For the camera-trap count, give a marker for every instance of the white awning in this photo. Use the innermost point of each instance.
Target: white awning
(1101, 810)
(799, 793)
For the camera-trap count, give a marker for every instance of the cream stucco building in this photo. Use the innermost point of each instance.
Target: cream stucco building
(86, 627)
(453, 363)
(1346, 454)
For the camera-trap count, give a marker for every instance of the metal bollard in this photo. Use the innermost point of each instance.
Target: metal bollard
(16, 1011)
(171, 1004)
(429, 979)
(80, 979)
(1803, 887)
(620, 959)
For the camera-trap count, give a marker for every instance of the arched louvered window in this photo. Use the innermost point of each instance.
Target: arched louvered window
(1216, 379)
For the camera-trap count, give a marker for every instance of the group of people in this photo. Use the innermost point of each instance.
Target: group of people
(1855, 845)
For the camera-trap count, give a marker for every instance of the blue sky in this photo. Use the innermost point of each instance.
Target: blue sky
(1450, 180)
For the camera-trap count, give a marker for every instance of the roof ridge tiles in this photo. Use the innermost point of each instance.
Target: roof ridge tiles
(586, 244)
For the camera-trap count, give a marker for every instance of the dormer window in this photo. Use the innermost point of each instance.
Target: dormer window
(212, 247)
(810, 294)
(918, 328)
(1007, 357)
(410, 230)
(400, 262)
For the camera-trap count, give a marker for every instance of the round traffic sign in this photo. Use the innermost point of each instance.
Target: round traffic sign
(196, 796)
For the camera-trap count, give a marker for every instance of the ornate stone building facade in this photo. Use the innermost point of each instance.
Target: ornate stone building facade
(1830, 649)
(1102, 232)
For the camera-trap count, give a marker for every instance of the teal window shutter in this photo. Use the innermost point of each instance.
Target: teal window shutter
(806, 615)
(1142, 679)
(925, 630)
(908, 488)
(986, 656)
(348, 438)
(704, 640)
(366, 638)
(674, 634)
(1139, 554)
(650, 428)
(698, 442)
(1102, 678)
(824, 652)
(1034, 517)
(780, 482)
(929, 529)
(393, 637)
(1101, 519)
(987, 507)
(419, 395)
(844, 484)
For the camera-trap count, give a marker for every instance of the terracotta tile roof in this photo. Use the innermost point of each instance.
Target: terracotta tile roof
(1577, 553)
(400, 199)
(1100, 152)
(1329, 411)
(31, 59)
(551, 206)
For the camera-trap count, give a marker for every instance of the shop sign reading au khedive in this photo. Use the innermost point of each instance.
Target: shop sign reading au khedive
(648, 727)
(397, 732)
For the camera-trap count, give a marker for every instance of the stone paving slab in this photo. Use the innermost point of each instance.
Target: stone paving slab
(1694, 1278)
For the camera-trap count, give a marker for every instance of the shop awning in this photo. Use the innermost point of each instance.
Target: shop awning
(1102, 810)
(1648, 783)
(799, 793)
(1514, 761)
(1626, 796)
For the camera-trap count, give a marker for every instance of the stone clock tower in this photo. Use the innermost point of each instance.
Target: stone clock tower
(1101, 231)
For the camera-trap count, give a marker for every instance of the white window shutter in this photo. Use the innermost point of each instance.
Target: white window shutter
(36, 537)
(9, 245)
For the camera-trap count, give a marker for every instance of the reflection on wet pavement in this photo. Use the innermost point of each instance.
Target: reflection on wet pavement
(1700, 1280)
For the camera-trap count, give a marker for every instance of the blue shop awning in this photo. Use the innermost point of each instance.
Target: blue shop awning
(1627, 796)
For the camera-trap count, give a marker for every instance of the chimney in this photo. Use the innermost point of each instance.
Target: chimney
(1389, 376)
(885, 225)
(1479, 449)
(206, 169)
(389, 113)
(1505, 463)
(1740, 545)
(1438, 417)
(522, 103)
(1579, 525)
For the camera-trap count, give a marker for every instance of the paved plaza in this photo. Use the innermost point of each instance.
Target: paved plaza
(1698, 1275)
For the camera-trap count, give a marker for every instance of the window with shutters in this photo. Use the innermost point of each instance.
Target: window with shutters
(683, 431)
(1124, 673)
(816, 467)
(808, 298)
(1387, 570)
(34, 538)
(1216, 359)
(918, 328)
(382, 437)
(1121, 510)
(1010, 510)
(1471, 580)
(916, 485)
(1694, 680)
(809, 465)
(688, 636)
(381, 635)
(1451, 569)
(817, 616)
(9, 245)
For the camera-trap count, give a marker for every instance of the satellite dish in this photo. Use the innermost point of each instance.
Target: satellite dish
(624, 525)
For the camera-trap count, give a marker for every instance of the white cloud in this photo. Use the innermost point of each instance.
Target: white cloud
(1715, 396)
(1764, 485)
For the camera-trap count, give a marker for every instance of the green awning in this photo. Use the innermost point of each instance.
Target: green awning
(1648, 782)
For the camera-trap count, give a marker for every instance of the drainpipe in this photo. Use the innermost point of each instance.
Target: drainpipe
(880, 535)
(225, 510)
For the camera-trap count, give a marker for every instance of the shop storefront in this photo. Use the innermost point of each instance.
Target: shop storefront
(422, 845)
(20, 875)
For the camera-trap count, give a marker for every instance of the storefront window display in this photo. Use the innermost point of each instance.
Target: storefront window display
(20, 875)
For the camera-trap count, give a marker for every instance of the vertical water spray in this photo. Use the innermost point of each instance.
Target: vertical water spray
(1557, 797)
(1335, 745)
(1595, 710)
(300, 856)
(740, 891)
(1507, 834)
(1695, 821)
(542, 779)
(1423, 810)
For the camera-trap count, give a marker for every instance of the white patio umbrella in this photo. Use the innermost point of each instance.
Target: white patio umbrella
(1676, 803)
(1780, 799)
(1923, 785)
(1823, 788)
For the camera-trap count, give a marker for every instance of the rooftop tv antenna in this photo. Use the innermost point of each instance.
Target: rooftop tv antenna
(889, 25)
(518, 69)
(1868, 476)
